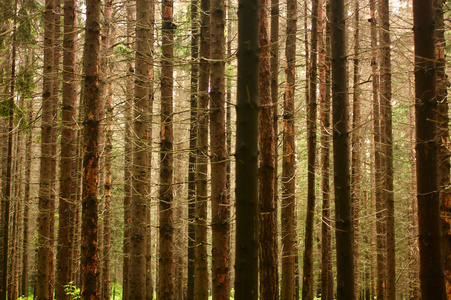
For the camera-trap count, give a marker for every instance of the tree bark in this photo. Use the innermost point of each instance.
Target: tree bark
(68, 119)
(343, 217)
(432, 279)
(91, 126)
(166, 251)
(288, 232)
(246, 265)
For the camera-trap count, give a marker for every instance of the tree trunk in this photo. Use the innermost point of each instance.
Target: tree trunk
(269, 286)
(246, 265)
(444, 179)
(307, 282)
(91, 98)
(327, 276)
(166, 251)
(45, 216)
(201, 262)
(192, 147)
(68, 118)
(356, 164)
(343, 217)
(288, 232)
(431, 266)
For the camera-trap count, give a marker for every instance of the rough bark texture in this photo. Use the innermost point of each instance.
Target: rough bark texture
(91, 122)
(192, 147)
(68, 119)
(444, 179)
(387, 143)
(269, 287)
(140, 169)
(128, 159)
(307, 282)
(201, 262)
(432, 279)
(220, 209)
(246, 264)
(166, 251)
(343, 216)
(288, 180)
(327, 276)
(45, 215)
(356, 164)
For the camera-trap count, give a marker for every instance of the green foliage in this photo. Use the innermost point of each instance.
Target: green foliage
(124, 51)
(72, 291)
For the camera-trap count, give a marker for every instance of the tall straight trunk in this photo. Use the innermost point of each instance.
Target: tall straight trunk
(269, 287)
(444, 178)
(140, 169)
(343, 217)
(378, 162)
(192, 147)
(68, 119)
(128, 158)
(387, 143)
(91, 98)
(45, 216)
(432, 279)
(5, 203)
(201, 262)
(327, 276)
(166, 249)
(220, 208)
(356, 164)
(307, 282)
(288, 290)
(246, 264)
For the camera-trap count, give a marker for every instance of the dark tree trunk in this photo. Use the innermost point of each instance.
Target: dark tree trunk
(246, 265)
(307, 282)
(166, 251)
(432, 279)
(269, 286)
(91, 98)
(201, 262)
(192, 147)
(68, 117)
(343, 217)
(288, 290)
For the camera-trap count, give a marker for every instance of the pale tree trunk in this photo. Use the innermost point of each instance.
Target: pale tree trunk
(246, 265)
(201, 262)
(288, 290)
(356, 164)
(91, 99)
(166, 249)
(432, 279)
(343, 216)
(269, 286)
(68, 122)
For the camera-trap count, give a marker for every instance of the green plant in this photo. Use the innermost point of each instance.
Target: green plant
(72, 291)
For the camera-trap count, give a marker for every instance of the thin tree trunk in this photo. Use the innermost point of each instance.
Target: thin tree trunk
(356, 164)
(431, 265)
(443, 140)
(192, 147)
(68, 119)
(288, 232)
(307, 282)
(166, 251)
(201, 262)
(91, 98)
(327, 276)
(269, 287)
(246, 265)
(140, 169)
(45, 215)
(343, 217)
